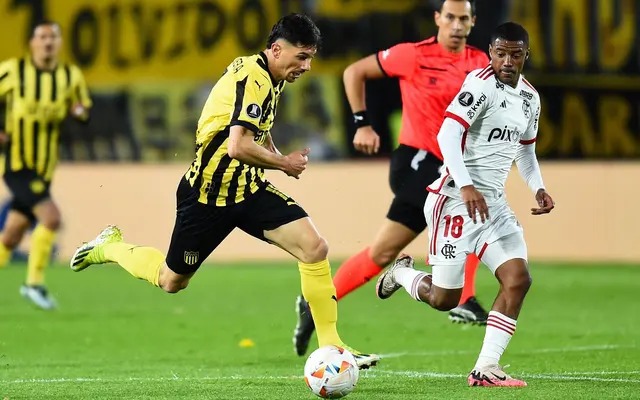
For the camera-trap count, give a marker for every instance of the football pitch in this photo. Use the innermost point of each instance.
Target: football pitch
(114, 337)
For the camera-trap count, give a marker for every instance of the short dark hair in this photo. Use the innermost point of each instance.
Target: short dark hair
(297, 29)
(44, 22)
(472, 2)
(512, 32)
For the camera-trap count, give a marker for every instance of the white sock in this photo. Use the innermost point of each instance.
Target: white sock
(409, 278)
(500, 329)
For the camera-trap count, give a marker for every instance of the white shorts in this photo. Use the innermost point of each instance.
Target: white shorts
(453, 235)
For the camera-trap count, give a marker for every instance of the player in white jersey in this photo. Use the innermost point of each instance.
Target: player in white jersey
(491, 123)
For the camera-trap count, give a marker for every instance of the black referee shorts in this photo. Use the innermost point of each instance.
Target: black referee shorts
(27, 189)
(411, 171)
(200, 228)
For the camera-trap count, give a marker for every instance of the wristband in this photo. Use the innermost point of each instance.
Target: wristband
(361, 119)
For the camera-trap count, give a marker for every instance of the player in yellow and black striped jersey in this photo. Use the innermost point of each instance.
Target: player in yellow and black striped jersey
(225, 187)
(246, 95)
(39, 92)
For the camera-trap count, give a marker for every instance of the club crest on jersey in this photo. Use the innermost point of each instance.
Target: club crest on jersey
(526, 108)
(465, 99)
(254, 111)
(191, 257)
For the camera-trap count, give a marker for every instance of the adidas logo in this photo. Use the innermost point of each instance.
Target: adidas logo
(503, 104)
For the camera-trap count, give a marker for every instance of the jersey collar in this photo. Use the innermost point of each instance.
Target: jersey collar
(263, 62)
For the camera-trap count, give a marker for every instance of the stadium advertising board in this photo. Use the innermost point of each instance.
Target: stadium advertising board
(585, 63)
(124, 41)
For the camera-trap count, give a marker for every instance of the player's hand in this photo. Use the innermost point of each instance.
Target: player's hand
(4, 138)
(366, 140)
(296, 162)
(474, 200)
(545, 203)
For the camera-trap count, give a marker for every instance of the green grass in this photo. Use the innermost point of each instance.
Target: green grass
(117, 338)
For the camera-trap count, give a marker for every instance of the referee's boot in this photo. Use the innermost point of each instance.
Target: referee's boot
(304, 327)
(469, 312)
(89, 253)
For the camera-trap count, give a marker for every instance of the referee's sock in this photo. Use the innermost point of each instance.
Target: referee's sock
(318, 290)
(470, 269)
(355, 272)
(143, 262)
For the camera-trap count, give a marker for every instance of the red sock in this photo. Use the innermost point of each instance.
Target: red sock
(355, 272)
(470, 268)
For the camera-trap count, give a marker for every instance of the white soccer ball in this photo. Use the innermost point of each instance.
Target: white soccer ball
(331, 372)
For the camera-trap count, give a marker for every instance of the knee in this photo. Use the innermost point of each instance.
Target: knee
(10, 240)
(315, 251)
(383, 257)
(173, 287)
(518, 284)
(52, 221)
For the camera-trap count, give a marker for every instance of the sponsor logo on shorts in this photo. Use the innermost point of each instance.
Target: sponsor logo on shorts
(191, 257)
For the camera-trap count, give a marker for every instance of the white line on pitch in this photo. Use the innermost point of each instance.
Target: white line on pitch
(531, 351)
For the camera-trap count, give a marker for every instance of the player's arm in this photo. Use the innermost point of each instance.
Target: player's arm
(398, 61)
(450, 141)
(529, 168)
(470, 103)
(80, 99)
(243, 148)
(270, 145)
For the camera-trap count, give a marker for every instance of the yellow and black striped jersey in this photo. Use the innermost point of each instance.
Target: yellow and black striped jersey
(247, 95)
(37, 101)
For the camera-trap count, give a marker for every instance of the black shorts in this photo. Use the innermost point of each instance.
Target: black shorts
(410, 172)
(27, 189)
(200, 228)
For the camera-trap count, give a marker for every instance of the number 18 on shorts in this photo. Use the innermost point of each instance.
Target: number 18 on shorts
(453, 235)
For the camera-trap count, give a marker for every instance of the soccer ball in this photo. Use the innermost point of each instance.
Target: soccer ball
(331, 372)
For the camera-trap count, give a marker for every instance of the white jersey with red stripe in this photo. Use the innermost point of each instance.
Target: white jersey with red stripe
(498, 118)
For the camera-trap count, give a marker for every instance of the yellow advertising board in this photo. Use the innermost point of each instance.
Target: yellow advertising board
(123, 41)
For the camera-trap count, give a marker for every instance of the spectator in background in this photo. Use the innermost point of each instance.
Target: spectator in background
(39, 91)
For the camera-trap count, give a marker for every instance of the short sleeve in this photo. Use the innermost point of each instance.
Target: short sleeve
(398, 61)
(531, 133)
(80, 91)
(470, 102)
(6, 76)
(250, 95)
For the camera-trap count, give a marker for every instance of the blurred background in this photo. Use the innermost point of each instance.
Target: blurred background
(151, 63)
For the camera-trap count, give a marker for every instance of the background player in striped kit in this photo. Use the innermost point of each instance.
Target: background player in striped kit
(39, 92)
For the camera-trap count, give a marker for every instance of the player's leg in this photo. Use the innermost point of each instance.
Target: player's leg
(15, 226)
(276, 218)
(469, 309)
(198, 230)
(449, 245)
(403, 224)
(506, 257)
